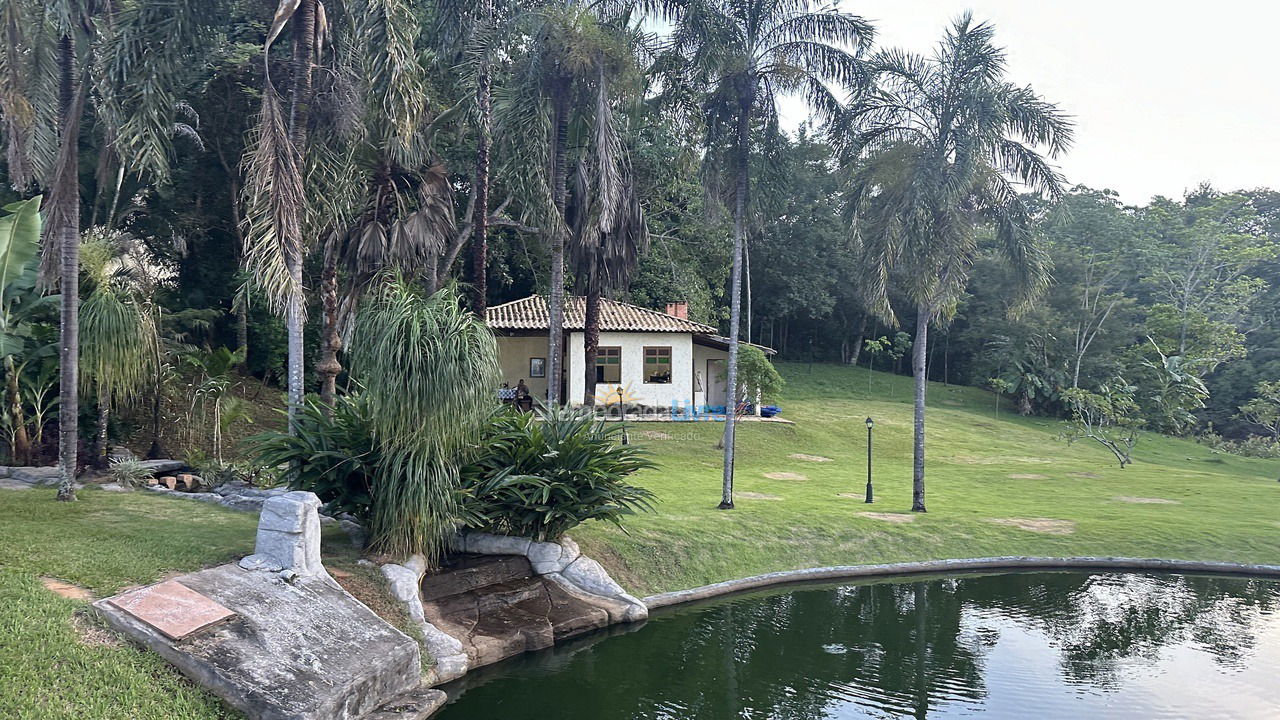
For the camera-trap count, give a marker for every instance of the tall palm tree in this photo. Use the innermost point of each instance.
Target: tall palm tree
(383, 198)
(132, 56)
(274, 193)
(936, 152)
(747, 54)
(548, 120)
(608, 231)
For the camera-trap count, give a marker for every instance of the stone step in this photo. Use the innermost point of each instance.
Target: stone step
(501, 619)
(471, 572)
(498, 595)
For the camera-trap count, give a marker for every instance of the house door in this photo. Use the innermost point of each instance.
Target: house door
(714, 382)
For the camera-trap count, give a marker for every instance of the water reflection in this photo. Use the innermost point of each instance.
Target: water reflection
(1043, 644)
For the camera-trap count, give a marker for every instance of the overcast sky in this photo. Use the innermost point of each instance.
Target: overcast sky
(1165, 94)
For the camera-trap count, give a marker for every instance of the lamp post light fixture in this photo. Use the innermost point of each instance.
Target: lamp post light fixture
(870, 424)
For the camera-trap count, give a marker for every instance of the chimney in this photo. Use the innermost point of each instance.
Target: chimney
(678, 309)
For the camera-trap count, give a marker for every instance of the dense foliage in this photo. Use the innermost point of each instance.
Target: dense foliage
(541, 474)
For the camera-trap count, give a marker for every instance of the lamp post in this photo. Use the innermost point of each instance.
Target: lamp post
(870, 424)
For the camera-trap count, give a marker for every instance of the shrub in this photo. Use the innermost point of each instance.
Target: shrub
(332, 456)
(128, 472)
(542, 474)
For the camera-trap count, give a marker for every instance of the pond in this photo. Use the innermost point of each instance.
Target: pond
(1045, 645)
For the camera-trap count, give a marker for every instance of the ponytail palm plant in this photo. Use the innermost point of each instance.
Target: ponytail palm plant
(943, 147)
(745, 55)
(119, 338)
(427, 369)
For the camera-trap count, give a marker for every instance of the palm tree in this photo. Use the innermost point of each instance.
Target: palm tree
(938, 150)
(747, 54)
(384, 198)
(551, 110)
(608, 231)
(274, 195)
(49, 50)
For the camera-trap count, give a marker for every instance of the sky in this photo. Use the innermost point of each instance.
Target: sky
(1165, 95)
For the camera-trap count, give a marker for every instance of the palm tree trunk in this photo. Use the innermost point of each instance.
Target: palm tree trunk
(590, 345)
(559, 192)
(67, 237)
(327, 365)
(735, 298)
(299, 115)
(480, 220)
(99, 452)
(919, 355)
(21, 454)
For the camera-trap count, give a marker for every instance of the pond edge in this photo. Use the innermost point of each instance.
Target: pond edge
(847, 572)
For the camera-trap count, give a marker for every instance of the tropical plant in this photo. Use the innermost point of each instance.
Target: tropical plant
(541, 474)
(275, 198)
(757, 377)
(118, 329)
(745, 55)
(128, 472)
(1109, 417)
(53, 54)
(332, 453)
(934, 152)
(19, 301)
(427, 369)
(209, 406)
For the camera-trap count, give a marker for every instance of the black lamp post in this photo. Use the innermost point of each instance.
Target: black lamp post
(870, 424)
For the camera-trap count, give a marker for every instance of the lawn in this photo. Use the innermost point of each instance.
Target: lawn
(997, 485)
(56, 659)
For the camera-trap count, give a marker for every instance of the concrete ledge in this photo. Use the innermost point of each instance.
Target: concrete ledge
(850, 572)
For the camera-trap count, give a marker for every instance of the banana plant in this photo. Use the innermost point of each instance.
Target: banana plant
(19, 304)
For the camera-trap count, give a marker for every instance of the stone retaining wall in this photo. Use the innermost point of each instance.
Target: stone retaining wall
(853, 572)
(560, 562)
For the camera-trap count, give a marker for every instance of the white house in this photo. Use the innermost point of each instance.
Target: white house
(658, 359)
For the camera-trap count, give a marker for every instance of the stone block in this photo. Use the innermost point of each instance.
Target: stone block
(289, 534)
(487, 544)
(305, 650)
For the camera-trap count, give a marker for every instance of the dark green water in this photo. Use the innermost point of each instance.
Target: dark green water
(1032, 645)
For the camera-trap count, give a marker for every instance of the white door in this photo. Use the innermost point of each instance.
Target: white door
(714, 382)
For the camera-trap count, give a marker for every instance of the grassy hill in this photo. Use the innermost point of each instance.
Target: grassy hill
(998, 484)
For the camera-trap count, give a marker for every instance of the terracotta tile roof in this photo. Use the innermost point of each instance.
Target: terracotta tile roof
(531, 314)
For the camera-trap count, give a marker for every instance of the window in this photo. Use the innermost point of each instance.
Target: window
(537, 367)
(609, 365)
(657, 365)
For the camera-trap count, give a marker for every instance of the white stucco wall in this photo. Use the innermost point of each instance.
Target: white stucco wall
(633, 344)
(513, 357)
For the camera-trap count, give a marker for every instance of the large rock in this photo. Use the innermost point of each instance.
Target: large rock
(300, 650)
(162, 467)
(50, 475)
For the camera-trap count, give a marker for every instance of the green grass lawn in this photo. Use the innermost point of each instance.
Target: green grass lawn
(56, 659)
(57, 662)
(981, 467)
